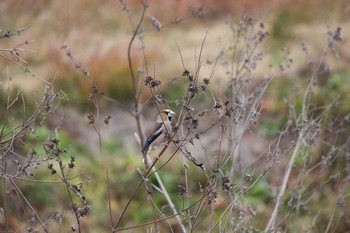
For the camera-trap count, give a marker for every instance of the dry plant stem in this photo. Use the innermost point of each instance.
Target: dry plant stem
(161, 219)
(198, 211)
(4, 203)
(240, 195)
(108, 194)
(148, 173)
(149, 189)
(136, 106)
(196, 224)
(212, 211)
(98, 132)
(145, 175)
(115, 227)
(108, 190)
(74, 209)
(189, 95)
(134, 82)
(343, 214)
(305, 108)
(330, 221)
(14, 32)
(229, 207)
(26, 69)
(25, 126)
(187, 188)
(299, 192)
(211, 218)
(147, 162)
(307, 93)
(68, 186)
(239, 131)
(29, 205)
(272, 221)
(167, 196)
(165, 218)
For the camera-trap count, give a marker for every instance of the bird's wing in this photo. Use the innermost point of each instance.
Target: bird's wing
(154, 135)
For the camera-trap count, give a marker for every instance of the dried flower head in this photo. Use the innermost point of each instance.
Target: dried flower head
(107, 119)
(91, 119)
(156, 23)
(151, 82)
(186, 73)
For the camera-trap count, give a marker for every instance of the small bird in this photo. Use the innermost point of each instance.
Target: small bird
(161, 129)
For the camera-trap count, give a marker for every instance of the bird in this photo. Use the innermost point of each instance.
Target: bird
(161, 129)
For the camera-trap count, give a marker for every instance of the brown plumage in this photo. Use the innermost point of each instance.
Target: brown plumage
(162, 127)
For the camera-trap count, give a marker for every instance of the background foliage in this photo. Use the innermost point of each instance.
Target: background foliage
(261, 94)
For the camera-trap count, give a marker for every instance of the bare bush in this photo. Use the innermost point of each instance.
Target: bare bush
(219, 187)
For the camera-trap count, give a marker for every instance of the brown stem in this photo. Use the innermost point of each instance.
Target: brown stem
(134, 84)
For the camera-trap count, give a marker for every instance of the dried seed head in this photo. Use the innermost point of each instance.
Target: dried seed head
(226, 183)
(217, 106)
(151, 82)
(336, 34)
(160, 99)
(186, 73)
(107, 119)
(91, 119)
(195, 123)
(6, 34)
(192, 88)
(212, 195)
(182, 189)
(156, 23)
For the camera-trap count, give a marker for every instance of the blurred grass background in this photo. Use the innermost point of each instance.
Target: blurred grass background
(98, 34)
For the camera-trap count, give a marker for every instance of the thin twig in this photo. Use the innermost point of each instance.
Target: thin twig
(28, 204)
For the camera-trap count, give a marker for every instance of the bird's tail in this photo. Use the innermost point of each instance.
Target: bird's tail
(149, 140)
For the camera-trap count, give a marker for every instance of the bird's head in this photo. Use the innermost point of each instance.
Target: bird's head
(165, 115)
